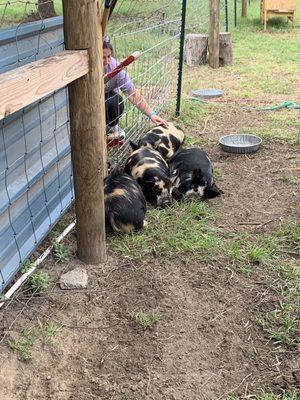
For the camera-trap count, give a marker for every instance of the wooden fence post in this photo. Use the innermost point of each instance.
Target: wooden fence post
(244, 8)
(82, 30)
(214, 29)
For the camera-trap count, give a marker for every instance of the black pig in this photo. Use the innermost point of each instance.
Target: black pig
(192, 175)
(166, 140)
(125, 203)
(151, 171)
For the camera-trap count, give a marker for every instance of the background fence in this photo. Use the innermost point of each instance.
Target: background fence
(36, 183)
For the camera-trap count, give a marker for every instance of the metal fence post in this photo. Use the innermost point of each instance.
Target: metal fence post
(226, 16)
(235, 13)
(181, 55)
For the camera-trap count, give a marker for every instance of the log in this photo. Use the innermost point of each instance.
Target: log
(195, 49)
(214, 29)
(82, 30)
(225, 48)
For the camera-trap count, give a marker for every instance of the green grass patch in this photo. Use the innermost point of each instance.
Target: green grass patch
(48, 329)
(280, 126)
(61, 252)
(282, 323)
(147, 319)
(285, 395)
(24, 346)
(39, 282)
(180, 229)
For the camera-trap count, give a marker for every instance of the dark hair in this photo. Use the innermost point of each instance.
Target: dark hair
(107, 45)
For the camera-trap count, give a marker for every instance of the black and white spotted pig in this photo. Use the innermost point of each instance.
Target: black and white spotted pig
(125, 203)
(166, 140)
(192, 175)
(151, 171)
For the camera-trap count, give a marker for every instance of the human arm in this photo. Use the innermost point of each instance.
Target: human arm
(140, 103)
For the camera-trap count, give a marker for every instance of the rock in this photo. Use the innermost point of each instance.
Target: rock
(75, 279)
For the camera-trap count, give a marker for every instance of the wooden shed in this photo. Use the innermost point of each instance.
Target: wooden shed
(277, 8)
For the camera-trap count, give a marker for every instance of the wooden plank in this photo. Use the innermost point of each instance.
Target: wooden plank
(214, 29)
(82, 30)
(280, 4)
(25, 85)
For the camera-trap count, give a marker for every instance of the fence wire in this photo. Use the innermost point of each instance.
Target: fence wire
(153, 29)
(36, 182)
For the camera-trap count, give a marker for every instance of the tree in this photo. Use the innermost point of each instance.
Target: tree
(45, 9)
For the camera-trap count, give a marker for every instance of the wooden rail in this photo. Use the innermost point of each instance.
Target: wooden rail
(25, 85)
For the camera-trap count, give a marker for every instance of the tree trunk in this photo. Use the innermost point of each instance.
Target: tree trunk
(46, 9)
(244, 8)
(195, 49)
(225, 49)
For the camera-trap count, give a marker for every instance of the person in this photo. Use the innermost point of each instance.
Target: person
(114, 103)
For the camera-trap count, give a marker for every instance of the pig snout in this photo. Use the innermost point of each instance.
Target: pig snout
(165, 199)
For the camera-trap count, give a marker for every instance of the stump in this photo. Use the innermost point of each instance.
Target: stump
(195, 49)
(225, 49)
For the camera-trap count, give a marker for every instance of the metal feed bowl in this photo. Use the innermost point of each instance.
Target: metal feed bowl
(207, 94)
(240, 144)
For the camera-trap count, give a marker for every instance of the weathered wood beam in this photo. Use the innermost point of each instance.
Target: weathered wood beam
(25, 85)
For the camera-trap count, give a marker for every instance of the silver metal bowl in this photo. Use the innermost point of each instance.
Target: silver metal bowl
(240, 144)
(208, 93)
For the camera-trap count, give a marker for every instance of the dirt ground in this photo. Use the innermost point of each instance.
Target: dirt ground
(207, 345)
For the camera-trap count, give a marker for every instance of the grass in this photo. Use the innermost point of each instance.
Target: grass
(39, 281)
(181, 229)
(27, 265)
(48, 329)
(61, 252)
(285, 395)
(147, 319)
(282, 323)
(24, 346)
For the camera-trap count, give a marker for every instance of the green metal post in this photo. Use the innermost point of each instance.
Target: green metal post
(181, 55)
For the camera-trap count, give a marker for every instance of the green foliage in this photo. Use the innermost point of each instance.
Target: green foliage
(23, 348)
(39, 281)
(147, 319)
(61, 252)
(48, 329)
(286, 395)
(179, 229)
(25, 345)
(27, 265)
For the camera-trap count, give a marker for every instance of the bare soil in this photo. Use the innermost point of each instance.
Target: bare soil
(207, 344)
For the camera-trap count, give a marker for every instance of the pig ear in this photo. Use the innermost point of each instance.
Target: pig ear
(197, 174)
(133, 145)
(213, 191)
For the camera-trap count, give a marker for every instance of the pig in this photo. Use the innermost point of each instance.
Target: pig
(125, 203)
(151, 171)
(166, 140)
(192, 175)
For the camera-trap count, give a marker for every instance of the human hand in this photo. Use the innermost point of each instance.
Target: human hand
(158, 120)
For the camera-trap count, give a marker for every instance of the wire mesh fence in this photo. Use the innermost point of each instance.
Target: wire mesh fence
(36, 182)
(153, 29)
(36, 185)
